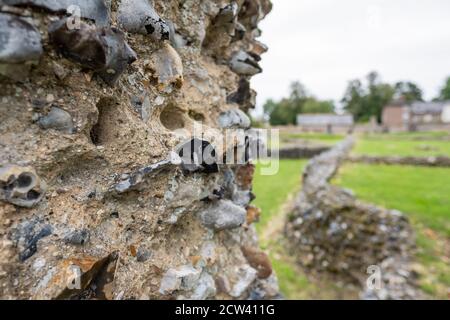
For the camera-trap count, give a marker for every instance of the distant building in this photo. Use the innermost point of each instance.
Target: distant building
(395, 115)
(326, 122)
(416, 114)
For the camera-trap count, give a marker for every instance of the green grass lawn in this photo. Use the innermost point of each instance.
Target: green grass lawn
(271, 194)
(423, 194)
(317, 138)
(422, 135)
(272, 191)
(393, 146)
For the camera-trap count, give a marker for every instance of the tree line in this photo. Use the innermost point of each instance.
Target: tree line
(363, 99)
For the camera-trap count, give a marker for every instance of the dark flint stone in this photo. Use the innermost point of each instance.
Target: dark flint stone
(19, 40)
(57, 119)
(95, 10)
(103, 50)
(198, 156)
(28, 234)
(243, 93)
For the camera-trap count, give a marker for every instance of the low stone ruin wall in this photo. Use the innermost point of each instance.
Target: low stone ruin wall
(298, 152)
(94, 98)
(331, 231)
(440, 161)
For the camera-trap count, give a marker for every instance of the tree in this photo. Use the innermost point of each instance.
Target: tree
(379, 95)
(297, 97)
(353, 99)
(366, 102)
(408, 92)
(445, 91)
(313, 105)
(298, 91)
(280, 113)
(269, 107)
(299, 101)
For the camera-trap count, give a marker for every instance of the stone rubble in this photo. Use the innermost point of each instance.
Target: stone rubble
(97, 198)
(331, 231)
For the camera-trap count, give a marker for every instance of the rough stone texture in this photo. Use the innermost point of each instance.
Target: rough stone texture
(234, 119)
(20, 46)
(331, 231)
(95, 121)
(96, 10)
(139, 16)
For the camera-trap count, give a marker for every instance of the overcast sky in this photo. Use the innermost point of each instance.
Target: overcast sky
(326, 43)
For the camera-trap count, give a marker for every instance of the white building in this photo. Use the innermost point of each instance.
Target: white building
(325, 122)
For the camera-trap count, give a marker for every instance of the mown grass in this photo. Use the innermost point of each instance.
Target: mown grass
(317, 138)
(290, 138)
(272, 191)
(421, 135)
(393, 146)
(423, 194)
(434, 261)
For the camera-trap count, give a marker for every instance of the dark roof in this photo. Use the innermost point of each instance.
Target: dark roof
(428, 107)
(421, 107)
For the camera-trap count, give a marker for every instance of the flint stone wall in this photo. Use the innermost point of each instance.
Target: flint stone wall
(93, 202)
(331, 231)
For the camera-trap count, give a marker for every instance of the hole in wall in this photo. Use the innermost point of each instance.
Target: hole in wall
(107, 112)
(172, 118)
(24, 180)
(194, 115)
(33, 195)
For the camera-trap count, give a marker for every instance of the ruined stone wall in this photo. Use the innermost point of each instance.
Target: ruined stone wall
(90, 114)
(332, 232)
(300, 152)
